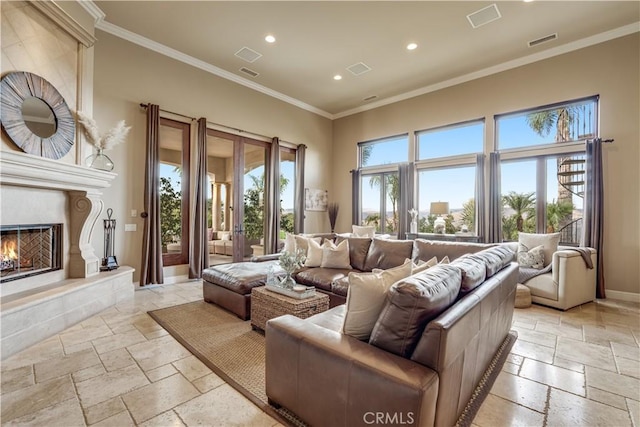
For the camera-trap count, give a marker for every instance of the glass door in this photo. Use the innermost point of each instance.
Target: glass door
(236, 197)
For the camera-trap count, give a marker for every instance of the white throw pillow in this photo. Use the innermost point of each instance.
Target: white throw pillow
(423, 265)
(531, 258)
(302, 242)
(314, 254)
(444, 260)
(548, 241)
(364, 231)
(366, 297)
(289, 244)
(225, 235)
(335, 256)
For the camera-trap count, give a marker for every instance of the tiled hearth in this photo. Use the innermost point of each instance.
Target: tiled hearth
(577, 368)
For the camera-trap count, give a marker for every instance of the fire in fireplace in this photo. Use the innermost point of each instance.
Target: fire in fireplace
(27, 250)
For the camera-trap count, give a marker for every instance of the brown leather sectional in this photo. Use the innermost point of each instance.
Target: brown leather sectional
(432, 343)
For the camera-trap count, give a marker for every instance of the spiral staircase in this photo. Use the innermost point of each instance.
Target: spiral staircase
(571, 176)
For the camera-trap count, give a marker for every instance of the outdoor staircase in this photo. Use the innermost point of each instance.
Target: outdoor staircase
(571, 176)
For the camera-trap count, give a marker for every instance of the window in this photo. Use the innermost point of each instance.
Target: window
(449, 141)
(384, 151)
(174, 191)
(447, 173)
(543, 182)
(380, 193)
(287, 187)
(455, 186)
(567, 122)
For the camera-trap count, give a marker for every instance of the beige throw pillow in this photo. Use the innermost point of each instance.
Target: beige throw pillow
(423, 265)
(314, 254)
(335, 256)
(289, 243)
(302, 242)
(364, 231)
(548, 241)
(366, 296)
(444, 260)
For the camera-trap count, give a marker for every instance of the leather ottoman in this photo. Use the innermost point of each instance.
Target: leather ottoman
(230, 285)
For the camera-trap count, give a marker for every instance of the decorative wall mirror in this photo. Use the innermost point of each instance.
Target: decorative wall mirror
(35, 115)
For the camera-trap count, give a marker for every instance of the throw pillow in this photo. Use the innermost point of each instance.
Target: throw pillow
(423, 265)
(335, 256)
(364, 231)
(366, 296)
(314, 254)
(444, 260)
(289, 243)
(531, 258)
(302, 242)
(225, 235)
(548, 241)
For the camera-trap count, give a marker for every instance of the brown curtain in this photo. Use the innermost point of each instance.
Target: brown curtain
(405, 203)
(593, 229)
(272, 199)
(298, 208)
(151, 271)
(479, 202)
(355, 197)
(199, 249)
(494, 231)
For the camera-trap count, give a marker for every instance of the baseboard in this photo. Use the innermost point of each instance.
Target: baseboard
(623, 296)
(176, 279)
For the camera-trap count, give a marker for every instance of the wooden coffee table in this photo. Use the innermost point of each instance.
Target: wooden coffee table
(267, 305)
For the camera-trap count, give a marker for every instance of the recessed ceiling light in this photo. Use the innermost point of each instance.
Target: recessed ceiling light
(411, 46)
(337, 77)
(270, 39)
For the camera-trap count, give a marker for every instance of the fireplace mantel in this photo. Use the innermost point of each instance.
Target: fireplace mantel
(31, 171)
(83, 186)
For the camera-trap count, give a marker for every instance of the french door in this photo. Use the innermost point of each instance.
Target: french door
(236, 171)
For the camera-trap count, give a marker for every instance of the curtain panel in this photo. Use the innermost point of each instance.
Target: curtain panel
(480, 218)
(272, 199)
(355, 197)
(298, 209)
(593, 229)
(494, 230)
(406, 177)
(151, 265)
(199, 245)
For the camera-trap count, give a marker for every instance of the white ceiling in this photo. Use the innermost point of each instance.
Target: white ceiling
(316, 40)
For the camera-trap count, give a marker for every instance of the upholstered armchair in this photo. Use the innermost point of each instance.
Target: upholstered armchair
(569, 283)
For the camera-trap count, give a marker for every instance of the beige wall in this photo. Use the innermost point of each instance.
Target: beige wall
(127, 75)
(609, 69)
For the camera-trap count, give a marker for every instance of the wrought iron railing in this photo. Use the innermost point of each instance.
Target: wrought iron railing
(571, 233)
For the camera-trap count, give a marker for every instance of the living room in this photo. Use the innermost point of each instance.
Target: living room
(118, 75)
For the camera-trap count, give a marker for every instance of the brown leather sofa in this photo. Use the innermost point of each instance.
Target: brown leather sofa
(330, 379)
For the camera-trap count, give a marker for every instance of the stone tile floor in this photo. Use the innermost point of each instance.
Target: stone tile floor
(119, 368)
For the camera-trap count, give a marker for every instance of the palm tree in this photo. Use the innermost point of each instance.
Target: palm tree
(523, 205)
(468, 215)
(542, 122)
(392, 188)
(373, 219)
(556, 213)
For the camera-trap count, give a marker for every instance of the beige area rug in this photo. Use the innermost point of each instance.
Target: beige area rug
(235, 352)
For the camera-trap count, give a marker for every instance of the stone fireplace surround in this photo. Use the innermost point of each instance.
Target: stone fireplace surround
(35, 308)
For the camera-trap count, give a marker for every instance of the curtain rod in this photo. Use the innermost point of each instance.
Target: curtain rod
(222, 126)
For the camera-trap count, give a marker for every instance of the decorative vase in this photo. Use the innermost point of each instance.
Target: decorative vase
(100, 161)
(288, 282)
(414, 227)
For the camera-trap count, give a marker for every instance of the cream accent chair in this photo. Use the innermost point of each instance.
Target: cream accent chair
(569, 283)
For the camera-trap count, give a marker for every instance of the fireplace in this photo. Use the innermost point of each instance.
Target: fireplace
(29, 250)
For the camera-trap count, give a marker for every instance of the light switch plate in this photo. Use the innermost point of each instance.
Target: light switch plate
(134, 213)
(130, 227)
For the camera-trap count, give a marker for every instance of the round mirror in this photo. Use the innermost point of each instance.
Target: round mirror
(38, 117)
(35, 115)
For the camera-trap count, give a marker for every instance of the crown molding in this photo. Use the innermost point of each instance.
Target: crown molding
(92, 9)
(205, 66)
(65, 21)
(529, 59)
